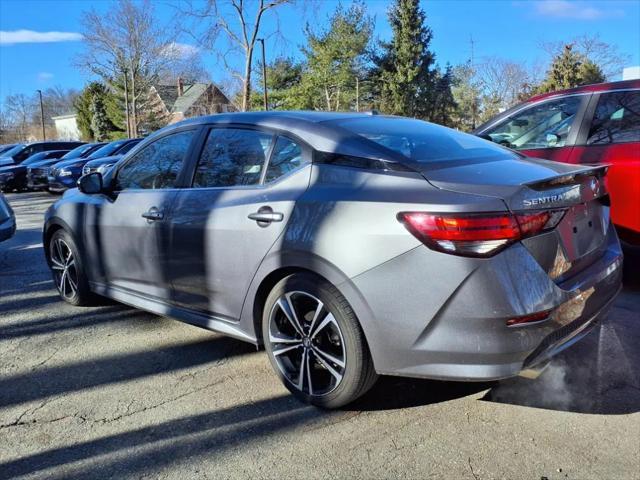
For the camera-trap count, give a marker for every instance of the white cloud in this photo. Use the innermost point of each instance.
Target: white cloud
(31, 36)
(45, 76)
(177, 50)
(573, 10)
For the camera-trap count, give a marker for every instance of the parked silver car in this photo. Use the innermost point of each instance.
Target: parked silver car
(350, 245)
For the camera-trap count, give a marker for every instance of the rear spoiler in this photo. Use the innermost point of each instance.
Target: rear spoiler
(572, 178)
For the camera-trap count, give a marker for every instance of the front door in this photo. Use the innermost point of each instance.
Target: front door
(126, 233)
(543, 130)
(238, 206)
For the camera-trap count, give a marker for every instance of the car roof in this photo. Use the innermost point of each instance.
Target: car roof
(315, 128)
(594, 87)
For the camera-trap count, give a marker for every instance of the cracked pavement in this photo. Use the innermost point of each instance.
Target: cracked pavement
(111, 392)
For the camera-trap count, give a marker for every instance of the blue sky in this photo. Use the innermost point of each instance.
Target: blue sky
(43, 56)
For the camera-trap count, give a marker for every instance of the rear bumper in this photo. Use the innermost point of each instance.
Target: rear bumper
(445, 318)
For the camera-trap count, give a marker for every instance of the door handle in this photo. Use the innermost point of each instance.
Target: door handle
(153, 214)
(265, 215)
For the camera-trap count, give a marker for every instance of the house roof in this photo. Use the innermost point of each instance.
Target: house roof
(190, 94)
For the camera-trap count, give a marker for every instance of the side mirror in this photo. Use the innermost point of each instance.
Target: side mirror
(90, 183)
(552, 139)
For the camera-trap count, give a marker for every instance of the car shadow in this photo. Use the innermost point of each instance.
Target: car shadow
(390, 393)
(598, 375)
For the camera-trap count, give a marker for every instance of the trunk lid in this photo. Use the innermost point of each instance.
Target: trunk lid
(532, 185)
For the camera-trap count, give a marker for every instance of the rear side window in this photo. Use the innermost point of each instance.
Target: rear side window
(421, 141)
(616, 119)
(232, 157)
(157, 165)
(286, 156)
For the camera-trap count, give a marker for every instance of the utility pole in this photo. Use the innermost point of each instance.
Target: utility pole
(264, 76)
(357, 94)
(41, 115)
(126, 104)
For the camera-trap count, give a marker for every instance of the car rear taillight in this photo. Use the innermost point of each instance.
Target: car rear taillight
(477, 235)
(529, 319)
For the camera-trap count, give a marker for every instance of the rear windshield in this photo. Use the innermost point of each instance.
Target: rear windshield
(422, 142)
(108, 149)
(78, 151)
(12, 151)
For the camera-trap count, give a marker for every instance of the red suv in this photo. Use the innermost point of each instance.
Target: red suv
(592, 124)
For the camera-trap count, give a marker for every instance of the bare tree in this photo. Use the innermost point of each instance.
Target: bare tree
(19, 110)
(502, 80)
(126, 42)
(238, 22)
(185, 63)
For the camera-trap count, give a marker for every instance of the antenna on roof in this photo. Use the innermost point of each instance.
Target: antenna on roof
(372, 112)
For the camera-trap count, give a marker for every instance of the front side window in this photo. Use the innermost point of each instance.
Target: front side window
(286, 156)
(616, 119)
(232, 157)
(545, 125)
(157, 165)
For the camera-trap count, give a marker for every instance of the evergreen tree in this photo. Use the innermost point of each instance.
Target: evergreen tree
(283, 80)
(444, 105)
(570, 69)
(334, 59)
(406, 71)
(94, 100)
(100, 124)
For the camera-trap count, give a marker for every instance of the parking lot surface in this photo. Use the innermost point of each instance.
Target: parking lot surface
(114, 392)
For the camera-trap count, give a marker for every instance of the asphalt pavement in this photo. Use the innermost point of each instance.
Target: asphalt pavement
(112, 392)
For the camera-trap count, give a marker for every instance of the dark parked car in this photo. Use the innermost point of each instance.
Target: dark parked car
(37, 174)
(64, 175)
(347, 244)
(101, 164)
(593, 124)
(7, 147)
(83, 151)
(7, 219)
(21, 152)
(15, 177)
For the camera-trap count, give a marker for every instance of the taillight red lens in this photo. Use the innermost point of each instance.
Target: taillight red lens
(531, 318)
(476, 234)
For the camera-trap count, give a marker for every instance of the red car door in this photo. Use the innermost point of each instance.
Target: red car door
(611, 135)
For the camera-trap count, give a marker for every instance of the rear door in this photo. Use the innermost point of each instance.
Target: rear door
(245, 185)
(545, 129)
(611, 135)
(126, 232)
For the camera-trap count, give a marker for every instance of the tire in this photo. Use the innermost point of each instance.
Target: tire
(331, 347)
(75, 287)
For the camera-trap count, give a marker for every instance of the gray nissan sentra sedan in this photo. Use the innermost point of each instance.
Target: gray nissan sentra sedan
(350, 245)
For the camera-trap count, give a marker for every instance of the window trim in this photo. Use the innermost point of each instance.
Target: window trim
(585, 128)
(144, 144)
